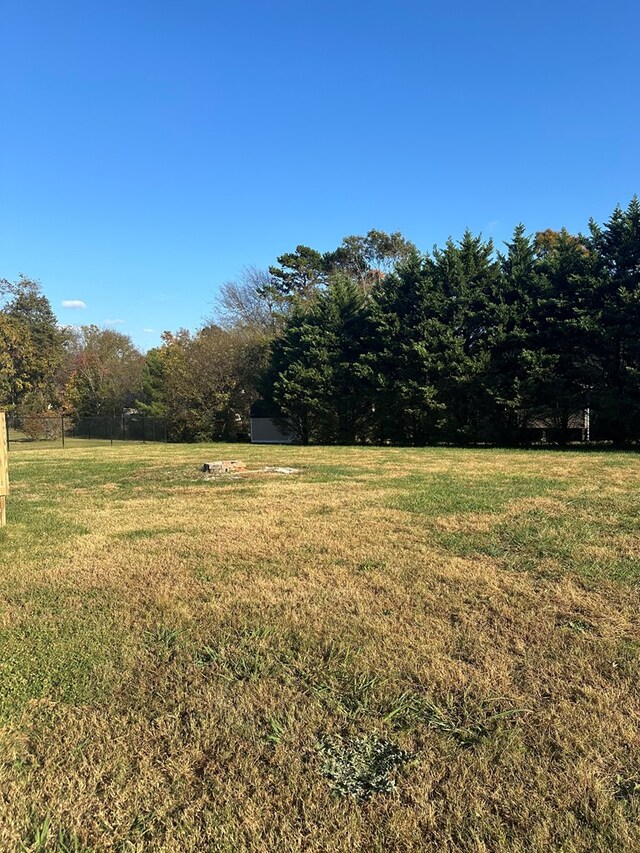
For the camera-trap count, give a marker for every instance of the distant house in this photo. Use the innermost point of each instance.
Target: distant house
(264, 426)
(573, 426)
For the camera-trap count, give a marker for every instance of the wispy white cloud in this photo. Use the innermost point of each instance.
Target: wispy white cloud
(149, 331)
(73, 303)
(114, 322)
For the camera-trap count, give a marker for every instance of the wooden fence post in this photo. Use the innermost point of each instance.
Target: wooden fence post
(4, 469)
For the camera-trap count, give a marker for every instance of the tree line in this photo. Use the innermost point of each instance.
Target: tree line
(374, 341)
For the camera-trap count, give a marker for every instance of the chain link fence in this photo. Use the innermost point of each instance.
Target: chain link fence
(56, 430)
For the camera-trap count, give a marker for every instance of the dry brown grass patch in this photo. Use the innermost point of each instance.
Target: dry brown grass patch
(235, 625)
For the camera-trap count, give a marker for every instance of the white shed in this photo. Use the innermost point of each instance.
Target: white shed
(267, 426)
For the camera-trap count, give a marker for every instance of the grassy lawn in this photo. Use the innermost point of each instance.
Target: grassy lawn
(393, 650)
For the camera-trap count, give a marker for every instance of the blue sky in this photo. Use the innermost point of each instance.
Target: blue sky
(150, 150)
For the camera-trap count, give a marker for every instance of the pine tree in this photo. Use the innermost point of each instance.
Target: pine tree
(565, 369)
(510, 380)
(617, 245)
(407, 359)
(319, 376)
(470, 280)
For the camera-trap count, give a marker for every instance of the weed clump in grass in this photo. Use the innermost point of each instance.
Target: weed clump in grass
(41, 837)
(580, 626)
(466, 720)
(240, 656)
(275, 730)
(466, 723)
(164, 640)
(625, 789)
(371, 566)
(361, 766)
(348, 693)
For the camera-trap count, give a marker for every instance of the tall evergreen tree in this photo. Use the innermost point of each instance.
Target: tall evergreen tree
(513, 364)
(408, 355)
(564, 350)
(469, 279)
(617, 245)
(319, 376)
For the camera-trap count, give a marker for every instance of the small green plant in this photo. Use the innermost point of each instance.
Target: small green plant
(356, 691)
(580, 626)
(403, 710)
(350, 693)
(164, 640)
(142, 825)
(256, 632)
(335, 653)
(371, 566)
(360, 766)
(466, 720)
(275, 730)
(208, 655)
(241, 663)
(37, 837)
(247, 666)
(41, 837)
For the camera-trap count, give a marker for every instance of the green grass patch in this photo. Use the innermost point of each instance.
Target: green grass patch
(65, 648)
(447, 494)
(551, 545)
(147, 533)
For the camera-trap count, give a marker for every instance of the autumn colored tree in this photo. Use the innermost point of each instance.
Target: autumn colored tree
(32, 347)
(204, 383)
(105, 372)
(373, 341)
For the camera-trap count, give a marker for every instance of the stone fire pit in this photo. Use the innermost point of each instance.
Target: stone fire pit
(237, 468)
